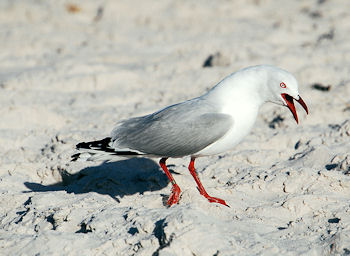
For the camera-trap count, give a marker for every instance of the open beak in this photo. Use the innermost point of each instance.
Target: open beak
(290, 104)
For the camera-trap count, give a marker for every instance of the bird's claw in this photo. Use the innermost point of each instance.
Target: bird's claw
(212, 199)
(174, 196)
(216, 200)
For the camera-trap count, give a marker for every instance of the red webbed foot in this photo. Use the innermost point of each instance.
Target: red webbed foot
(216, 200)
(174, 196)
(201, 188)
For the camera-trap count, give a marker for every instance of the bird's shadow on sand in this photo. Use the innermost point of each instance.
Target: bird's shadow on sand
(116, 179)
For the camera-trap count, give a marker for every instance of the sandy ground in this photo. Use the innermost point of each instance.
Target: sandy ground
(70, 70)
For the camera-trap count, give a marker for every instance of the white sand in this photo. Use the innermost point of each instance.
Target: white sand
(68, 76)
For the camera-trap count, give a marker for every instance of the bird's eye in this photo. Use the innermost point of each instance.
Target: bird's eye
(283, 85)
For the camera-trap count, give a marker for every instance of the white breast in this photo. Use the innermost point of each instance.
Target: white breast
(244, 118)
(240, 96)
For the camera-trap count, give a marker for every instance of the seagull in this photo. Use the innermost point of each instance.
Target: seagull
(207, 125)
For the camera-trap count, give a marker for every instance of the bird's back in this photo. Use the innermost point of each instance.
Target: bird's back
(178, 130)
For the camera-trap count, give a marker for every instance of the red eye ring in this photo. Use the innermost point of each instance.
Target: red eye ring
(283, 85)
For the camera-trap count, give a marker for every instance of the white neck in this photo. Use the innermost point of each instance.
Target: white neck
(240, 89)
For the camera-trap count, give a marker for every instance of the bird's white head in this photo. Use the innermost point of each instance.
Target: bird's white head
(258, 84)
(283, 89)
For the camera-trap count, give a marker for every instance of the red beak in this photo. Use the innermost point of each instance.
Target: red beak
(290, 105)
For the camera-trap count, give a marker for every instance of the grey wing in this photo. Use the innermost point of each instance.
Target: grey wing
(176, 131)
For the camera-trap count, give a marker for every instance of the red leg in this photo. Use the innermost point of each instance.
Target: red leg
(175, 190)
(200, 186)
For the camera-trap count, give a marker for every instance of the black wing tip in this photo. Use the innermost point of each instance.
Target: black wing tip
(102, 144)
(126, 153)
(75, 157)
